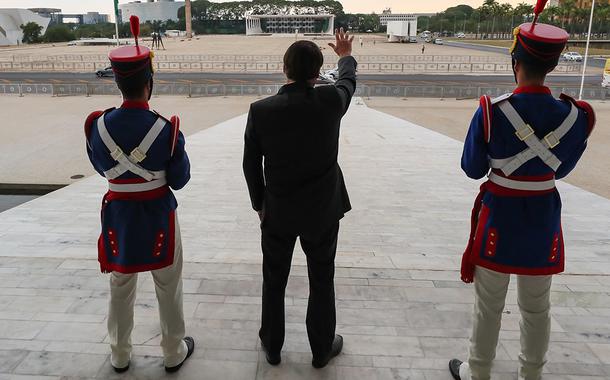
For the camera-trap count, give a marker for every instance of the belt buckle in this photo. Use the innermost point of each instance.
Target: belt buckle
(551, 140)
(116, 154)
(524, 133)
(137, 155)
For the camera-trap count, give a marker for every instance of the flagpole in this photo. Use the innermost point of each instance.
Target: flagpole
(116, 21)
(584, 67)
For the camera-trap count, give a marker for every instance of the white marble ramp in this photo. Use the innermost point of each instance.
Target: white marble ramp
(401, 307)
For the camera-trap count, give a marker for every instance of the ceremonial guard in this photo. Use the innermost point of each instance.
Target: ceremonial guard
(142, 156)
(523, 142)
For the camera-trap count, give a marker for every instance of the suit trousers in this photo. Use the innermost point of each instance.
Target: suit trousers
(168, 287)
(320, 250)
(533, 293)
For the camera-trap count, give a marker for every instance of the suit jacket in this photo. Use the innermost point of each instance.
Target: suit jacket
(290, 154)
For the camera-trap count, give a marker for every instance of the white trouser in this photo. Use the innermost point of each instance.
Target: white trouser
(535, 305)
(168, 286)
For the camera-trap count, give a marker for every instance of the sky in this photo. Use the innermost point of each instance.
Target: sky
(352, 6)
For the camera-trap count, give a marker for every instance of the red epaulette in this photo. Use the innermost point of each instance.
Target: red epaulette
(175, 122)
(591, 119)
(91, 118)
(89, 122)
(486, 107)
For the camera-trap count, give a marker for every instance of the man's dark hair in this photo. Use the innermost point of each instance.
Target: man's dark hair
(303, 61)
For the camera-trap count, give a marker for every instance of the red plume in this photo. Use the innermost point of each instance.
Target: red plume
(538, 9)
(134, 23)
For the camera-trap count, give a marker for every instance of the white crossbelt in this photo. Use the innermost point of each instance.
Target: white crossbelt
(536, 147)
(155, 179)
(522, 185)
(137, 187)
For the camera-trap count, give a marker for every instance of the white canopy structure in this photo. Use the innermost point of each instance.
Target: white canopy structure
(290, 24)
(11, 20)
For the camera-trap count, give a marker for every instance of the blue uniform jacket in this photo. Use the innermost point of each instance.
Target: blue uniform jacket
(138, 229)
(515, 232)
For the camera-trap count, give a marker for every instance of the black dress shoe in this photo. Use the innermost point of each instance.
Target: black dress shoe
(190, 344)
(334, 351)
(121, 370)
(272, 358)
(454, 368)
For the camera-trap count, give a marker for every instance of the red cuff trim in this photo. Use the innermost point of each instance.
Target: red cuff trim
(175, 120)
(486, 106)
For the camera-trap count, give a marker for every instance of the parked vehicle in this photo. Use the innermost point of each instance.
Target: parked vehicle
(107, 72)
(438, 41)
(413, 39)
(460, 35)
(572, 56)
(328, 76)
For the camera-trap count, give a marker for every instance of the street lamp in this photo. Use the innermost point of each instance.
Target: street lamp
(584, 66)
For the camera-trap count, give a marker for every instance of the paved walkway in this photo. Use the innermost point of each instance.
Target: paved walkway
(401, 307)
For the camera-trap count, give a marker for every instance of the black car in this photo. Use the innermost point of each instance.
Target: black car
(107, 72)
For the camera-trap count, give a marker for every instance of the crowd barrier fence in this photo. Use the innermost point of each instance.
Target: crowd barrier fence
(205, 90)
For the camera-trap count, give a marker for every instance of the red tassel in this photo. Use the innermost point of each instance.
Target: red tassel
(134, 23)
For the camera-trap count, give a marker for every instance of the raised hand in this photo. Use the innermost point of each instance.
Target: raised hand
(343, 43)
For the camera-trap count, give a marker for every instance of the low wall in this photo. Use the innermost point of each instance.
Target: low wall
(201, 90)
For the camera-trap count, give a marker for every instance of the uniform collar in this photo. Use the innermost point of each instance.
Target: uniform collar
(294, 87)
(131, 104)
(532, 90)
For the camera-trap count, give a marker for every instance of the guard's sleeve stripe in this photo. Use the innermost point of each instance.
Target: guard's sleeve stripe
(487, 116)
(175, 120)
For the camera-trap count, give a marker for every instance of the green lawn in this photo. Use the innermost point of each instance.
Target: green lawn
(508, 43)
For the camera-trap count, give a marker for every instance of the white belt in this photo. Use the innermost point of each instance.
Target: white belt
(137, 187)
(522, 185)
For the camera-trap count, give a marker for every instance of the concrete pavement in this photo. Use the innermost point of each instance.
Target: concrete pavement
(401, 307)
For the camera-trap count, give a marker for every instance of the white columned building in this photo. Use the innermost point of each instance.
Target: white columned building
(289, 24)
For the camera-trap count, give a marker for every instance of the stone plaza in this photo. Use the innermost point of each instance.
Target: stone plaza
(401, 306)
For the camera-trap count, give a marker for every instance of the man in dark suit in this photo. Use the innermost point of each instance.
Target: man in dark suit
(299, 190)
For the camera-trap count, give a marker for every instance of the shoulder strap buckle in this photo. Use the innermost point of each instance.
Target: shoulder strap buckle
(525, 132)
(116, 154)
(551, 140)
(137, 155)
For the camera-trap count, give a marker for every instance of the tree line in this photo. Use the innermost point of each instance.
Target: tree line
(491, 20)
(497, 20)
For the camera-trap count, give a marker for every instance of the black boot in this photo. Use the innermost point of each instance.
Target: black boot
(190, 344)
(272, 358)
(334, 351)
(454, 368)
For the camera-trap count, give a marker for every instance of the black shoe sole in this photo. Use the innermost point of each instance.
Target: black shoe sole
(121, 370)
(191, 349)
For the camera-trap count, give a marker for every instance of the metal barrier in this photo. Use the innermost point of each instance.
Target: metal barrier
(396, 58)
(205, 90)
(276, 67)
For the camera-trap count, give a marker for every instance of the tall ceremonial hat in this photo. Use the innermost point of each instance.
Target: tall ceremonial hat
(132, 65)
(539, 45)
